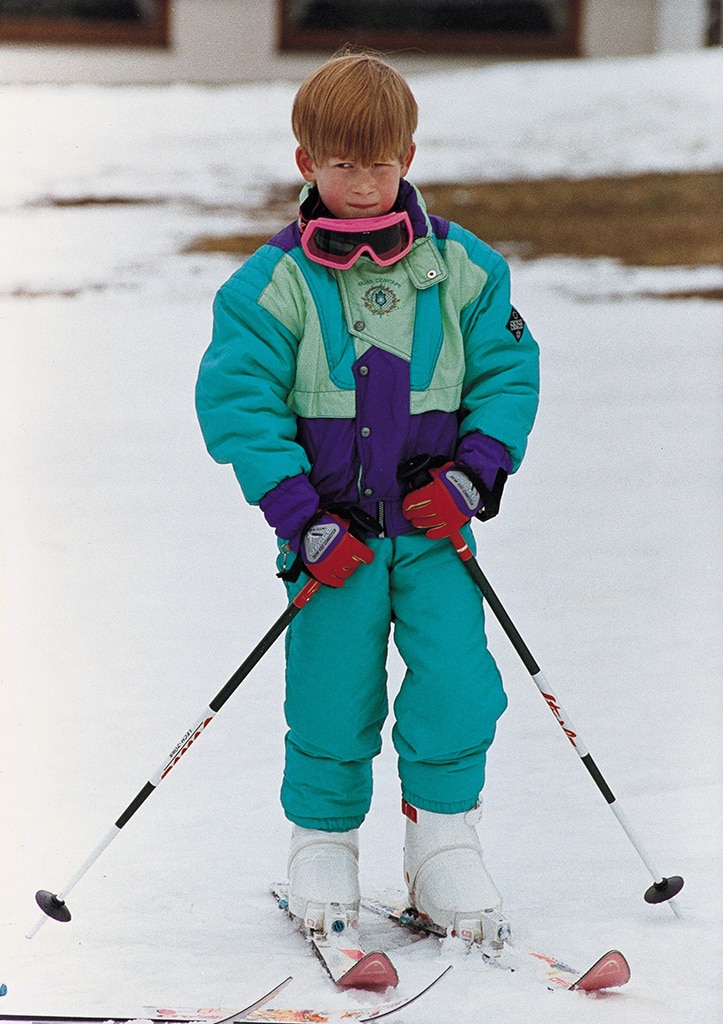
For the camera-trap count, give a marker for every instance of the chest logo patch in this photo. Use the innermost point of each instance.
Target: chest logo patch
(380, 299)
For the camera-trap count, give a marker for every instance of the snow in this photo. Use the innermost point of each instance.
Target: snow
(135, 579)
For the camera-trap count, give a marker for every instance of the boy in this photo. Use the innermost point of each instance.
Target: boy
(361, 336)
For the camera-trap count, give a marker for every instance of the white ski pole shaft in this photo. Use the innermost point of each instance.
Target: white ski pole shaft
(57, 901)
(663, 888)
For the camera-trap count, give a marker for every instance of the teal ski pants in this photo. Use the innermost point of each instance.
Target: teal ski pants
(336, 686)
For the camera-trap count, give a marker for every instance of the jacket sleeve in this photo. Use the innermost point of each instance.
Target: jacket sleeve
(245, 377)
(501, 383)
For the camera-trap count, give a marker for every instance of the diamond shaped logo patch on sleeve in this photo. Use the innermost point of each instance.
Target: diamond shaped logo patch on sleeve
(515, 325)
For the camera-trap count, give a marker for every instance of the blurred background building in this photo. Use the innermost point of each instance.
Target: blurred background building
(222, 41)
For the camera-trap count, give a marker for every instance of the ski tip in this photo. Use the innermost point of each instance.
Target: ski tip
(373, 971)
(611, 971)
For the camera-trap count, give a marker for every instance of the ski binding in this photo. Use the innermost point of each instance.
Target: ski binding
(610, 971)
(341, 952)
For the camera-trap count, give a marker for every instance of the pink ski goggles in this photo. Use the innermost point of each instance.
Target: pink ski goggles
(340, 243)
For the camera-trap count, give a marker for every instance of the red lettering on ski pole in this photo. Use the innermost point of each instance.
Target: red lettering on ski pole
(558, 713)
(554, 706)
(183, 746)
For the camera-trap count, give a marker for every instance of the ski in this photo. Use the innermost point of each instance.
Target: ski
(257, 1013)
(341, 952)
(155, 1014)
(364, 1015)
(610, 971)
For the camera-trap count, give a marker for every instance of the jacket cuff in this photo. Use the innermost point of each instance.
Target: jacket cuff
(485, 456)
(289, 506)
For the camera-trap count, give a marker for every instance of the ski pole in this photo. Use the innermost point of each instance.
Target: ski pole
(662, 889)
(53, 904)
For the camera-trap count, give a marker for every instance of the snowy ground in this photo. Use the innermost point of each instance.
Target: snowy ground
(134, 578)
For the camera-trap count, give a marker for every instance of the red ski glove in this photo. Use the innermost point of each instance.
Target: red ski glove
(330, 552)
(443, 506)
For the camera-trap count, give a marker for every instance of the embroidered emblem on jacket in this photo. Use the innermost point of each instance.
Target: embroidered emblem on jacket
(380, 299)
(515, 325)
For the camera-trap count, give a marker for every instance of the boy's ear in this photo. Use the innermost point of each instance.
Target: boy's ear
(407, 162)
(305, 165)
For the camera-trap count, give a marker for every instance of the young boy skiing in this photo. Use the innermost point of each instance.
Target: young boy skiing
(365, 334)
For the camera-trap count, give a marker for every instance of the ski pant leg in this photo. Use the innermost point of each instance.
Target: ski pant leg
(336, 698)
(452, 695)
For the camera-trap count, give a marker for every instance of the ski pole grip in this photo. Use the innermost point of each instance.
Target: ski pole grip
(415, 471)
(362, 525)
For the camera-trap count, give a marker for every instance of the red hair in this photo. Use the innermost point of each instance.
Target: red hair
(356, 106)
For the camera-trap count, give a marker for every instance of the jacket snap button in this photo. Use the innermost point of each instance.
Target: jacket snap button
(363, 371)
(431, 274)
(359, 325)
(365, 431)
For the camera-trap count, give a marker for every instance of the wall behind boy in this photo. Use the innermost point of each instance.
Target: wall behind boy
(221, 41)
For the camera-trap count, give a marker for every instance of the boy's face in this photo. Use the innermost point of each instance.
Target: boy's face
(350, 191)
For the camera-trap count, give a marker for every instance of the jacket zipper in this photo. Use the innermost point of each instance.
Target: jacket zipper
(380, 517)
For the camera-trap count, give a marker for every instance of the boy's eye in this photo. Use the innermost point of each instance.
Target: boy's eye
(350, 165)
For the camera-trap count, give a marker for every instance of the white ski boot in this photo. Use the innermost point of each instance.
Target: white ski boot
(447, 879)
(324, 878)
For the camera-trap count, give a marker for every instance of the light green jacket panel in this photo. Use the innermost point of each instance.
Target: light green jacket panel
(304, 297)
(341, 322)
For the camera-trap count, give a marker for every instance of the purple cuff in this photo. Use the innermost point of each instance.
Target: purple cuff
(484, 456)
(289, 506)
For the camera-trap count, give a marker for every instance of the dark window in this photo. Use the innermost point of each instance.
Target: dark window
(713, 32)
(99, 22)
(447, 26)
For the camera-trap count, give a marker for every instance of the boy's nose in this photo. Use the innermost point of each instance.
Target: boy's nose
(364, 180)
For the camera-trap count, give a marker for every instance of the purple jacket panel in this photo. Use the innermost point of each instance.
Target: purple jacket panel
(288, 238)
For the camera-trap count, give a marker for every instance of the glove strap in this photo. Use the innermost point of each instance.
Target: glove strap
(491, 498)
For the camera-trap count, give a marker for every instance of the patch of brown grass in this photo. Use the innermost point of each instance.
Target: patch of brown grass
(653, 220)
